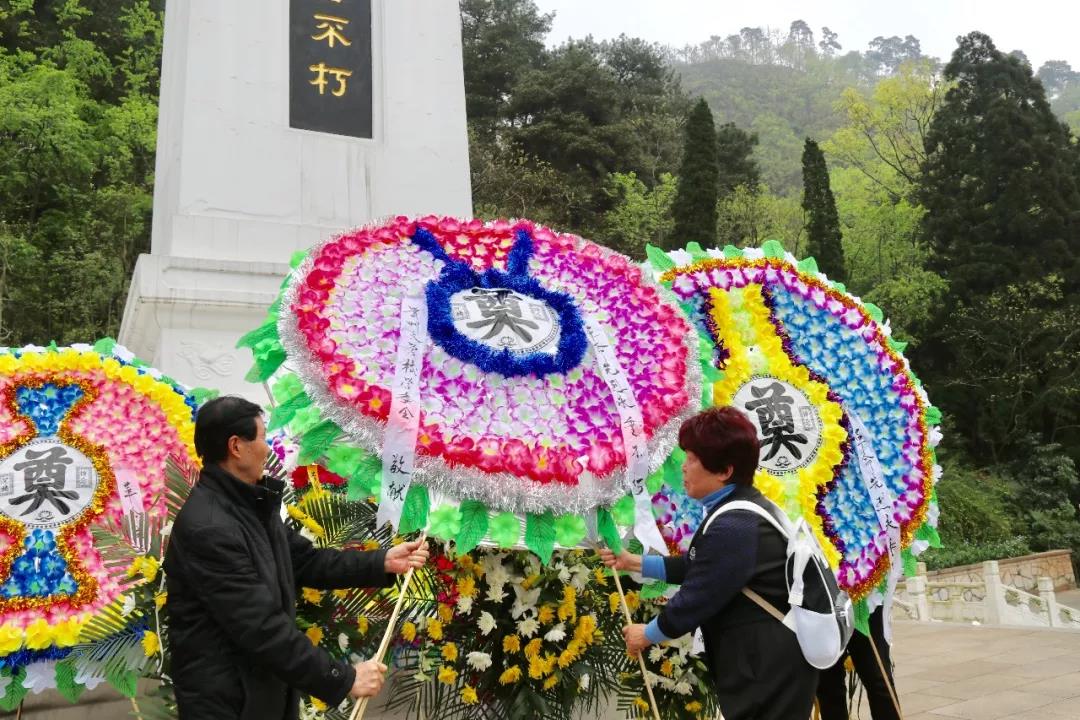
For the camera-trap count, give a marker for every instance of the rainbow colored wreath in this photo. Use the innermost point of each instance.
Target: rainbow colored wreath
(84, 436)
(524, 362)
(844, 423)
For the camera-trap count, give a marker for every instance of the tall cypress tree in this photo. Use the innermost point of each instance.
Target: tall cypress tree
(1000, 180)
(822, 221)
(694, 208)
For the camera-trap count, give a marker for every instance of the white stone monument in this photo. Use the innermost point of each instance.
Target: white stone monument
(239, 188)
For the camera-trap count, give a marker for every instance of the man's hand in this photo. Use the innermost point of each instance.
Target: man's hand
(635, 639)
(623, 561)
(404, 556)
(369, 679)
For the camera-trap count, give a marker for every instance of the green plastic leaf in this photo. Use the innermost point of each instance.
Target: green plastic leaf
(673, 469)
(929, 534)
(297, 258)
(773, 249)
(268, 359)
(910, 563)
(659, 259)
(654, 481)
(808, 266)
(266, 331)
(569, 530)
(65, 681)
(343, 460)
(445, 522)
(504, 529)
(316, 441)
(15, 691)
(125, 681)
(105, 346)
(897, 345)
(286, 387)
(622, 512)
(305, 419)
(839, 286)
(653, 590)
(875, 312)
(695, 250)
(366, 479)
(540, 535)
(731, 252)
(474, 526)
(283, 413)
(861, 617)
(414, 514)
(203, 395)
(605, 528)
(933, 415)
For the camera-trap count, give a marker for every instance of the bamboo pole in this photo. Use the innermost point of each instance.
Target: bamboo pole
(361, 704)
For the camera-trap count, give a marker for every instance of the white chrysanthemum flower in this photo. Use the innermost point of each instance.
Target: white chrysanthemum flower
(464, 605)
(683, 688)
(479, 661)
(583, 682)
(564, 574)
(556, 634)
(343, 641)
(496, 593)
(528, 627)
(128, 607)
(656, 653)
(487, 623)
(526, 601)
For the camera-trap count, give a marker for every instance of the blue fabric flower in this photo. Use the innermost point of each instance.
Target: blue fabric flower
(46, 406)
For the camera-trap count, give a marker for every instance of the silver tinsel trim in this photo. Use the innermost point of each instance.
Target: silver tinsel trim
(497, 490)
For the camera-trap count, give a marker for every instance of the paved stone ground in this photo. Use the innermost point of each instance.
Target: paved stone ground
(943, 671)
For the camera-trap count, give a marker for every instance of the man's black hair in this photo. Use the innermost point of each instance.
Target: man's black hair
(220, 419)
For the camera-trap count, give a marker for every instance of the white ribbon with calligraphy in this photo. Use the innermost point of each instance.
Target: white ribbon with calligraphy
(883, 501)
(403, 424)
(633, 433)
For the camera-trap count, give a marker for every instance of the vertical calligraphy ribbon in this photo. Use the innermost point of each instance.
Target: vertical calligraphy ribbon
(633, 434)
(402, 426)
(883, 501)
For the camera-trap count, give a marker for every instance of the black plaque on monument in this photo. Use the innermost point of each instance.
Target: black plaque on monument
(330, 66)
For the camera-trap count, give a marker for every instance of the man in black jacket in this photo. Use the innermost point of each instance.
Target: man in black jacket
(757, 667)
(233, 569)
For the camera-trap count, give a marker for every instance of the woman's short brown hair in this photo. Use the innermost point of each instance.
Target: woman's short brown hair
(723, 437)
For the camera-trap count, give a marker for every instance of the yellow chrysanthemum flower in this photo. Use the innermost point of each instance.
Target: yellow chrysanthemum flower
(38, 635)
(311, 595)
(11, 638)
(666, 669)
(551, 682)
(510, 675)
(466, 586)
(601, 578)
(449, 652)
(641, 704)
(150, 643)
(160, 599)
(314, 634)
(511, 643)
(614, 602)
(434, 628)
(67, 632)
(318, 704)
(362, 624)
(408, 632)
(371, 545)
(547, 614)
(446, 613)
(150, 568)
(468, 695)
(633, 600)
(532, 650)
(447, 675)
(693, 706)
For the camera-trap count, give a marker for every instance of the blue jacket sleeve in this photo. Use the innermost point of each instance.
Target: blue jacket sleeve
(724, 562)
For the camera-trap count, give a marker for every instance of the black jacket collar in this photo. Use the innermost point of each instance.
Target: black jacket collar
(263, 498)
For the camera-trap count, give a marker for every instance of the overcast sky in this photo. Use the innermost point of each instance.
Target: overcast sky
(1043, 29)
